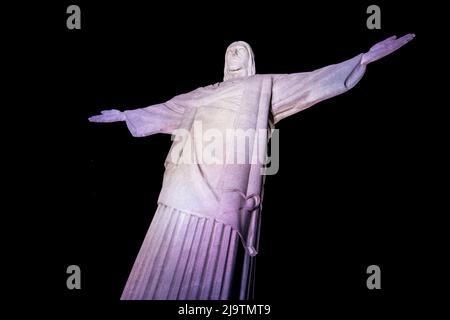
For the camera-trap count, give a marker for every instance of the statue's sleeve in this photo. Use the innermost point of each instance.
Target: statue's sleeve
(158, 118)
(297, 91)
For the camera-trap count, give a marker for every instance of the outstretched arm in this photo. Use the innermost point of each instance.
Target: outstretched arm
(159, 118)
(295, 92)
(376, 52)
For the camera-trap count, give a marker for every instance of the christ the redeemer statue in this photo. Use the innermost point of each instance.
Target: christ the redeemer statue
(206, 208)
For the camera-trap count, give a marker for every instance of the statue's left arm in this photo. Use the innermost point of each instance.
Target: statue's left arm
(295, 92)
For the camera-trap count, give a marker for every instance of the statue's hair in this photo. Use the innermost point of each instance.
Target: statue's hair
(250, 64)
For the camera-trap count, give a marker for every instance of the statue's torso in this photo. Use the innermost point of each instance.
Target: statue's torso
(207, 182)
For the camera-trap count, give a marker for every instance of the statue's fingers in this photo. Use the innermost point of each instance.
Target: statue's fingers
(402, 41)
(98, 118)
(112, 111)
(407, 38)
(391, 38)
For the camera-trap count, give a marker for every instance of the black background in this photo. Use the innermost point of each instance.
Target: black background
(359, 173)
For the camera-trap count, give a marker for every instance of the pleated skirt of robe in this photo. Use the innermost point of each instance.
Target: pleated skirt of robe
(183, 257)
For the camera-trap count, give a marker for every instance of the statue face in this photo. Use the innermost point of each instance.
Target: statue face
(237, 58)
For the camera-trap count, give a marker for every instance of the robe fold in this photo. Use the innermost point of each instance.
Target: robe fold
(205, 209)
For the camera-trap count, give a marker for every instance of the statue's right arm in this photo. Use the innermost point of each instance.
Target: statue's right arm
(159, 118)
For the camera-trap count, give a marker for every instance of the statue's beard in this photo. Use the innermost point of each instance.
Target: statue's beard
(234, 69)
(239, 72)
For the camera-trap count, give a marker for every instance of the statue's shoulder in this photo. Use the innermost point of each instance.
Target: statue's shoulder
(230, 83)
(212, 86)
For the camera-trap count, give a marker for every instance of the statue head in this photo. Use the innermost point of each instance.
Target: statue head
(239, 61)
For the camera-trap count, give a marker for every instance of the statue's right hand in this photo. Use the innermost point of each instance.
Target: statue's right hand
(108, 116)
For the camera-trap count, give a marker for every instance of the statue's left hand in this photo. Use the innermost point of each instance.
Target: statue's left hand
(383, 48)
